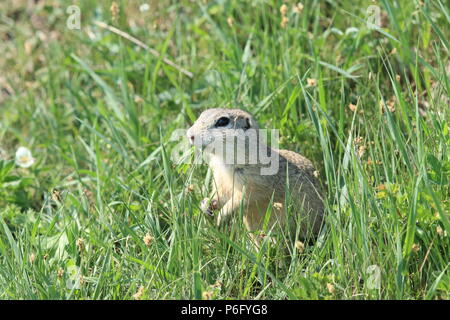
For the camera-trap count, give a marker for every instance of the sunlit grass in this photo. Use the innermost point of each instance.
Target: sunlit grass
(103, 212)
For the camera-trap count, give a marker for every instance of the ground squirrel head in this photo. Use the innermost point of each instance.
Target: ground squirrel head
(232, 137)
(216, 124)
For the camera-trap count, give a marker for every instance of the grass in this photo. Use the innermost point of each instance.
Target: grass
(98, 112)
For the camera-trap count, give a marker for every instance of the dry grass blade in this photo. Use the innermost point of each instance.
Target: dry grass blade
(144, 46)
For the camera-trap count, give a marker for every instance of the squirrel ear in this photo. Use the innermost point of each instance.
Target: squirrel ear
(248, 124)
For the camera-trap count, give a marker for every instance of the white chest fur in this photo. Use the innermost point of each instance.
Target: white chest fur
(226, 180)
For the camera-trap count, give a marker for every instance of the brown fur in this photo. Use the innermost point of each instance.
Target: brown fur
(244, 185)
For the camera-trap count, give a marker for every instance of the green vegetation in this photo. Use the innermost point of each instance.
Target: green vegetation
(103, 213)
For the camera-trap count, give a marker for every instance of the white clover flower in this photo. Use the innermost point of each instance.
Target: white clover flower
(144, 7)
(24, 158)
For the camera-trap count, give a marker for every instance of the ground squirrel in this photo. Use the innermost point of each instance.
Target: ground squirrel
(242, 183)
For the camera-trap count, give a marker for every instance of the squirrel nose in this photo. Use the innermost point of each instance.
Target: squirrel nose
(192, 138)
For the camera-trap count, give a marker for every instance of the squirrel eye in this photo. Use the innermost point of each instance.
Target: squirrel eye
(222, 122)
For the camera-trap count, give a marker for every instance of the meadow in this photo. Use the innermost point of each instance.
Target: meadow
(98, 210)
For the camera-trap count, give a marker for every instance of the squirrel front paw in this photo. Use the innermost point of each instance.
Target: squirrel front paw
(209, 206)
